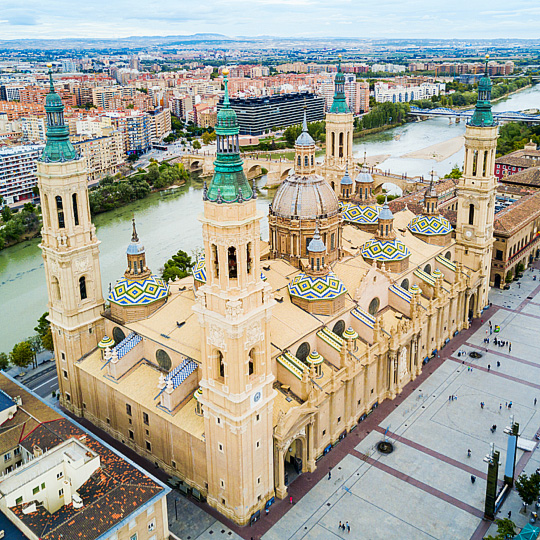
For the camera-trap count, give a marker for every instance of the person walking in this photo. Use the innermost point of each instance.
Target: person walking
(535, 401)
(469, 452)
(329, 474)
(473, 479)
(481, 404)
(498, 364)
(340, 525)
(348, 527)
(510, 347)
(509, 514)
(489, 367)
(290, 499)
(500, 407)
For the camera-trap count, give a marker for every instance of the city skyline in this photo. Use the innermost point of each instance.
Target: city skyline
(279, 18)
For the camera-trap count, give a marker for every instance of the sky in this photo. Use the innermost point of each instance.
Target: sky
(286, 18)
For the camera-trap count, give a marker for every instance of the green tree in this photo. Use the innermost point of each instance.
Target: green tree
(7, 214)
(4, 361)
(506, 528)
(528, 487)
(43, 328)
(509, 277)
(132, 158)
(196, 145)
(37, 347)
(207, 137)
(178, 266)
(455, 173)
(22, 354)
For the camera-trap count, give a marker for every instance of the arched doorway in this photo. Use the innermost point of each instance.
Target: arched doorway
(472, 302)
(497, 281)
(294, 461)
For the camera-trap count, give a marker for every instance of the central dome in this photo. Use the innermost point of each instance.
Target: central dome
(305, 197)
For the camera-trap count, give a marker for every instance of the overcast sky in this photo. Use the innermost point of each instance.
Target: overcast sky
(309, 18)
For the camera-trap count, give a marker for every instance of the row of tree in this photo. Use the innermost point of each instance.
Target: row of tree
(515, 135)
(383, 114)
(17, 225)
(317, 130)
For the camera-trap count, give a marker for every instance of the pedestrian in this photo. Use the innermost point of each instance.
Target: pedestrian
(489, 367)
(500, 407)
(509, 514)
(329, 474)
(340, 525)
(449, 398)
(481, 404)
(348, 527)
(469, 452)
(510, 347)
(510, 405)
(290, 499)
(506, 404)
(498, 364)
(473, 478)
(535, 401)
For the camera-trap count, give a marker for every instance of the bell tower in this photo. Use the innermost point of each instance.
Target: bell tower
(70, 252)
(339, 135)
(234, 309)
(476, 194)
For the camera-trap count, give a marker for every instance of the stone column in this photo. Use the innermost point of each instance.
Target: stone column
(281, 489)
(392, 368)
(311, 466)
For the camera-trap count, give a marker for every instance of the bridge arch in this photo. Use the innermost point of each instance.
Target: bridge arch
(286, 172)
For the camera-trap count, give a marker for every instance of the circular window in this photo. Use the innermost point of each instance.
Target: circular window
(339, 328)
(303, 351)
(427, 269)
(118, 335)
(448, 255)
(374, 306)
(163, 360)
(405, 284)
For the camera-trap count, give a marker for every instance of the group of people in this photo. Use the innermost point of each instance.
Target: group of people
(345, 526)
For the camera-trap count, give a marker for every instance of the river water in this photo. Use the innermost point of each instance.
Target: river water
(167, 223)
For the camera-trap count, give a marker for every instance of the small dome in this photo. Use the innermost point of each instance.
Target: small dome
(106, 342)
(129, 292)
(361, 214)
(385, 250)
(350, 333)
(430, 225)
(135, 248)
(386, 213)
(436, 273)
(305, 197)
(314, 358)
(346, 180)
(316, 245)
(316, 287)
(304, 139)
(364, 176)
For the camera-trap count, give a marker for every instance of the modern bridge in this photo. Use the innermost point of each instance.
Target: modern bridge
(508, 116)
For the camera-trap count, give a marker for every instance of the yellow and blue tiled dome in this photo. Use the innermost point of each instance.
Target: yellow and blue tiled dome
(361, 214)
(310, 288)
(385, 250)
(430, 225)
(130, 292)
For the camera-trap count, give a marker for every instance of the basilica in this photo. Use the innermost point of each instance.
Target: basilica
(242, 376)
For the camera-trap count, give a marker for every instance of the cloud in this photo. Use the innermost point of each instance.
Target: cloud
(21, 18)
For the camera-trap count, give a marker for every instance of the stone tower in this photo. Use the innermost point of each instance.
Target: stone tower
(476, 195)
(234, 309)
(339, 135)
(70, 252)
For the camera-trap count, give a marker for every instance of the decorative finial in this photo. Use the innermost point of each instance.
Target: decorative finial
(240, 196)
(487, 58)
(205, 192)
(226, 101)
(219, 200)
(304, 124)
(51, 85)
(134, 237)
(254, 189)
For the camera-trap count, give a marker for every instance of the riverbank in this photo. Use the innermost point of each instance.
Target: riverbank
(380, 129)
(439, 152)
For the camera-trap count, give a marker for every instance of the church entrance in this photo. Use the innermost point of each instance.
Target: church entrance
(472, 303)
(497, 281)
(294, 461)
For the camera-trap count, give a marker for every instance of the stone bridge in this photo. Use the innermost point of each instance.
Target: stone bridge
(278, 169)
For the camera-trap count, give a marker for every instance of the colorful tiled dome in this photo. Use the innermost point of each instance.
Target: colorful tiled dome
(430, 225)
(129, 292)
(314, 358)
(106, 342)
(385, 250)
(199, 270)
(361, 214)
(350, 333)
(316, 287)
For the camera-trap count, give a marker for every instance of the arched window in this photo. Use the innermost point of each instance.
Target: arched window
(233, 266)
(427, 269)
(332, 241)
(215, 260)
(312, 160)
(75, 209)
(60, 212)
(221, 364)
(248, 257)
(141, 266)
(365, 193)
(333, 144)
(82, 288)
(382, 230)
(118, 335)
(306, 161)
(299, 161)
(471, 214)
(55, 284)
(341, 145)
(448, 255)
(163, 360)
(475, 162)
(303, 351)
(387, 230)
(374, 306)
(339, 328)
(251, 367)
(405, 284)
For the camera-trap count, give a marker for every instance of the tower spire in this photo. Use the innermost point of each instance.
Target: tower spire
(339, 104)
(482, 116)
(134, 237)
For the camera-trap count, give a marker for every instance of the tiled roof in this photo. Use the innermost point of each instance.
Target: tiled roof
(528, 177)
(110, 495)
(415, 201)
(516, 215)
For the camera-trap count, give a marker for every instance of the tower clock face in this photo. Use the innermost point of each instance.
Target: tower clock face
(468, 234)
(257, 396)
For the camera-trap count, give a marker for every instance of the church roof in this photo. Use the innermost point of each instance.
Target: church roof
(304, 139)
(346, 180)
(339, 104)
(128, 292)
(361, 214)
(316, 287)
(364, 176)
(385, 250)
(430, 225)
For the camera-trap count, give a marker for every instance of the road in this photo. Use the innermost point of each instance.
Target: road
(42, 383)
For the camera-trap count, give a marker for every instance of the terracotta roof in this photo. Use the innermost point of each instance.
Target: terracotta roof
(415, 201)
(113, 492)
(518, 214)
(518, 161)
(528, 177)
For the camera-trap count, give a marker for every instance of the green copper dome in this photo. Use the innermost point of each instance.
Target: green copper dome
(482, 116)
(339, 104)
(58, 146)
(229, 183)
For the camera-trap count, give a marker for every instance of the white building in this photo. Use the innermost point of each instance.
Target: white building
(33, 129)
(18, 165)
(385, 92)
(388, 68)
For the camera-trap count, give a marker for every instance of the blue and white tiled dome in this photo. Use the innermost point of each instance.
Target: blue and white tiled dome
(308, 287)
(430, 225)
(385, 250)
(130, 292)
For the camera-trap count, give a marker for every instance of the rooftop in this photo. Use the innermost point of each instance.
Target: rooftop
(515, 216)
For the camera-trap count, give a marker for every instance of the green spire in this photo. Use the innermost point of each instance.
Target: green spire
(339, 105)
(482, 116)
(229, 183)
(58, 146)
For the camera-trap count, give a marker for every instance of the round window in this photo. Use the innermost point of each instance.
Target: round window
(427, 269)
(405, 284)
(339, 328)
(163, 360)
(303, 351)
(118, 335)
(374, 306)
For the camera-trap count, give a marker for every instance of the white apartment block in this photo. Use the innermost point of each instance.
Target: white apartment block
(104, 155)
(18, 165)
(33, 129)
(388, 68)
(385, 92)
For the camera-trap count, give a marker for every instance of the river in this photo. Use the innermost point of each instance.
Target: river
(167, 223)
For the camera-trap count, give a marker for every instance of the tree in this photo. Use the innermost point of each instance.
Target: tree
(43, 328)
(178, 266)
(22, 354)
(506, 528)
(37, 347)
(132, 158)
(7, 214)
(4, 361)
(455, 173)
(196, 145)
(207, 137)
(509, 277)
(528, 487)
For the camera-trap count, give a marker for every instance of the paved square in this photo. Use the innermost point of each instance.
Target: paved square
(423, 489)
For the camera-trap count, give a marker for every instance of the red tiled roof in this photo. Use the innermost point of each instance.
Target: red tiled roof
(517, 215)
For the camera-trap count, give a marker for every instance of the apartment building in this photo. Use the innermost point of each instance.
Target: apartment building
(18, 165)
(356, 93)
(104, 155)
(160, 124)
(33, 129)
(388, 92)
(137, 128)
(517, 161)
(15, 110)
